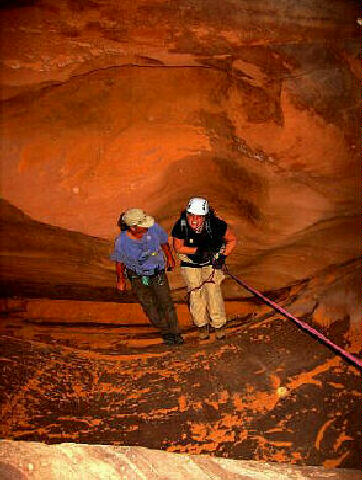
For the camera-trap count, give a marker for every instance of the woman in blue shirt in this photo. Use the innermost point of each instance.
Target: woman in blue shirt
(139, 252)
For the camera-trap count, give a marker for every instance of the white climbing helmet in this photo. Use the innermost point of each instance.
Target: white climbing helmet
(198, 206)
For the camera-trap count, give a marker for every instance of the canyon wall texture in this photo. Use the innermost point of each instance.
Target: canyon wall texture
(109, 105)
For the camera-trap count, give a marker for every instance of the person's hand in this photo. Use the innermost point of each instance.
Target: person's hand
(218, 261)
(121, 285)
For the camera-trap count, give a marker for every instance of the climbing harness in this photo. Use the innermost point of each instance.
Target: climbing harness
(211, 278)
(302, 325)
(208, 280)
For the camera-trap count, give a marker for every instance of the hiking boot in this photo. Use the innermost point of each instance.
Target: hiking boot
(204, 332)
(220, 332)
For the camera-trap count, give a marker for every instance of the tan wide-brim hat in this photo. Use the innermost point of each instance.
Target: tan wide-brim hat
(136, 217)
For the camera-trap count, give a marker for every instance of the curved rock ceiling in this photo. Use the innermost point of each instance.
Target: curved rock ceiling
(108, 105)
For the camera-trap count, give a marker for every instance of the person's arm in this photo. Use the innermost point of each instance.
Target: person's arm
(170, 262)
(179, 246)
(121, 277)
(178, 240)
(230, 242)
(163, 239)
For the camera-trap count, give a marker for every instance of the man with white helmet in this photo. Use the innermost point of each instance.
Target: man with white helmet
(202, 242)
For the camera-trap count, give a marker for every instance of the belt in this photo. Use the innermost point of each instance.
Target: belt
(155, 272)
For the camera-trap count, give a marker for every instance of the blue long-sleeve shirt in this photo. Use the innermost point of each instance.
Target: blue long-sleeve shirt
(143, 255)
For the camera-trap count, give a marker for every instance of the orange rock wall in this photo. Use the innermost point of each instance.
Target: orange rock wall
(108, 106)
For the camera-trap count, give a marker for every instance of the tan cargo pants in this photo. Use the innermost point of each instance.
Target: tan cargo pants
(206, 301)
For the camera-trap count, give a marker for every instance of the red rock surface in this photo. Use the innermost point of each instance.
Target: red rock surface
(86, 373)
(108, 105)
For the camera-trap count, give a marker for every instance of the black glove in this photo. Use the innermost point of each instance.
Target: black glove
(219, 261)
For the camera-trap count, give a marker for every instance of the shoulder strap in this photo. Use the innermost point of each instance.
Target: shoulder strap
(183, 224)
(208, 226)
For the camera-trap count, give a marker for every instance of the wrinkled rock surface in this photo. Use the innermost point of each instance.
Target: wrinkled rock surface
(20, 461)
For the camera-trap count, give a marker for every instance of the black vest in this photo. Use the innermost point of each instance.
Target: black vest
(211, 236)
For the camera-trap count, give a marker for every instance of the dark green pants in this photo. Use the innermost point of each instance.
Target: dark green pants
(156, 301)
